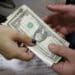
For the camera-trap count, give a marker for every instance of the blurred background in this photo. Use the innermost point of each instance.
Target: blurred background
(38, 6)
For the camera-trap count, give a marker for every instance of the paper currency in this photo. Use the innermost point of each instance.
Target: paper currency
(26, 21)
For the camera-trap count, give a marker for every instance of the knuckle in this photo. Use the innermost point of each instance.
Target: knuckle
(60, 50)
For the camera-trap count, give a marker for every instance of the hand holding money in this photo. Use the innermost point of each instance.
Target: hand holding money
(25, 21)
(66, 67)
(9, 40)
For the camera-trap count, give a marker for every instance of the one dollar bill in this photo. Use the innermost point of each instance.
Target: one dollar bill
(26, 21)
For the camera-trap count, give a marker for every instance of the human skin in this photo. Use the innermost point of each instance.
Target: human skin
(63, 21)
(9, 40)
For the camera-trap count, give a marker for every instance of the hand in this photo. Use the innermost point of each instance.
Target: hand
(66, 67)
(9, 40)
(63, 19)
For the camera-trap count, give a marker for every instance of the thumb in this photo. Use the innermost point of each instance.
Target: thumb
(24, 38)
(59, 8)
(62, 51)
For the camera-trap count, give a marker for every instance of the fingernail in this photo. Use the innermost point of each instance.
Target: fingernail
(33, 42)
(50, 6)
(30, 52)
(51, 46)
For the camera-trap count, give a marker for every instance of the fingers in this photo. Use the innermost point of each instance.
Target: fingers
(24, 55)
(11, 50)
(61, 35)
(62, 51)
(62, 68)
(63, 30)
(58, 67)
(59, 8)
(50, 19)
(24, 39)
(54, 19)
(47, 19)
